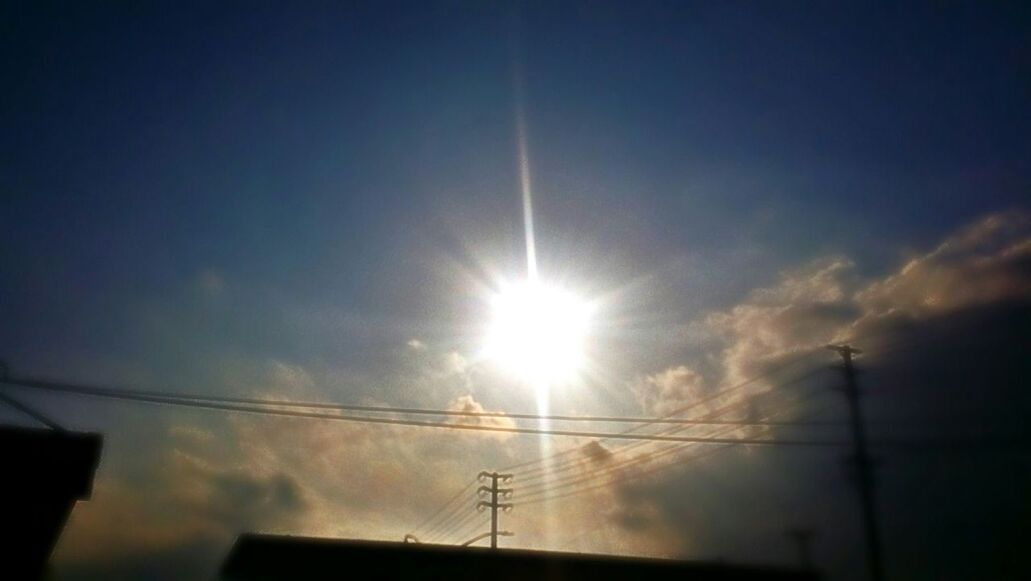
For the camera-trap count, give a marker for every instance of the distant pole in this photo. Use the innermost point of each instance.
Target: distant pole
(494, 505)
(494, 511)
(863, 463)
(803, 538)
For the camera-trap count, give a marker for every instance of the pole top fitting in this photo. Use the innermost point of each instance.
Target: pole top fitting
(844, 349)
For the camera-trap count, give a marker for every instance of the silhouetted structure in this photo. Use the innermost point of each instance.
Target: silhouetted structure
(45, 472)
(265, 557)
(493, 504)
(863, 463)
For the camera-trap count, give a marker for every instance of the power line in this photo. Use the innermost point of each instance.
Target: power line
(684, 408)
(445, 526)
(471, 526)
(619, 467)
(114, 393)
(260, 410)
(601, 436)
(569, 463)
(426, 522)
(542, 495)
(39, 417)
(461, 527)
(27, 410)
(605, 484)
(544, 485)
(543, 474)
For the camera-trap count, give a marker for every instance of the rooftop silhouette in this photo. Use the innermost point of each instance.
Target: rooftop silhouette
(270, 557)
(45, 473)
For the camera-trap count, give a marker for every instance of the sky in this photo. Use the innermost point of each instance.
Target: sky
(318, 201)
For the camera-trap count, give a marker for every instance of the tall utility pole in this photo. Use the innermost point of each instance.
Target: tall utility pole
(494, 505)
(863, 463)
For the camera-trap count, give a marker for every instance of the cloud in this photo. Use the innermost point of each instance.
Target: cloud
(826, 301)
(596, 452)
(944, 352)
(221, 475)
(774, 327)
(642, 518)
(178, 523)
(238, 498)
(807, 308)
(945, 342)
(466, 403)
(289, 378)
(987, 262)
(670, 389)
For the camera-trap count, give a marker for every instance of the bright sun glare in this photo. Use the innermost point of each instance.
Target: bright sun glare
(537, 332)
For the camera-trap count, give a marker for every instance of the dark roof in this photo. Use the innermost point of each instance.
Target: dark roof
(268, 557)
(45, 472)
(49, 461)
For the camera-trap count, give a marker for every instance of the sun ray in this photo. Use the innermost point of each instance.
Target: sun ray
(542, 386)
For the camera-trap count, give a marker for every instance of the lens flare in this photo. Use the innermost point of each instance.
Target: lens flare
(537, 333)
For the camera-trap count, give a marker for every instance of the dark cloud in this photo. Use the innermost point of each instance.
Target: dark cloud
(635, 521)
(596, 452)
(245, 501)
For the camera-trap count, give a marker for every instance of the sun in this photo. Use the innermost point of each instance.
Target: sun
(538, 332)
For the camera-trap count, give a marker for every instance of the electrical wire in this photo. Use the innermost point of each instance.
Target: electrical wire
(112, 392)
(574, 461)
(36, 415)
(618, 467)
(262, 410)
(459, 526)
(681, 409)
(440, 511)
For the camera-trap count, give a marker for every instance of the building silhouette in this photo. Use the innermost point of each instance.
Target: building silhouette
(267, 558)
(44, 473)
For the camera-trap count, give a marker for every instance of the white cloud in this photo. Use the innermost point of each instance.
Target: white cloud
(984, 263)
(466, 403)
(290, 378)
(667, 390)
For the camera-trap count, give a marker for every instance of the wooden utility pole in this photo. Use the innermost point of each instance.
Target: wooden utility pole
(863, 463)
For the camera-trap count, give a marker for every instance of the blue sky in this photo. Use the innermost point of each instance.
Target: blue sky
(315, 154)
(192, 189)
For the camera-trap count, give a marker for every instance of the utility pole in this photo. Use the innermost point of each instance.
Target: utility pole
(494, 505)
(863, 463)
